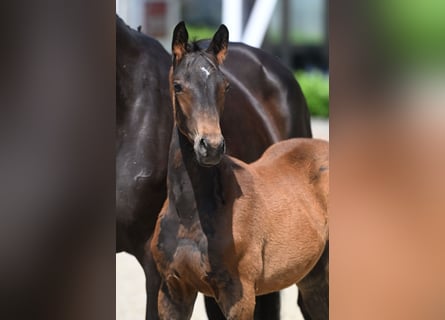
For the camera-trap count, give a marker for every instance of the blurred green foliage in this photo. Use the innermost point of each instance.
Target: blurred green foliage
(315, 87)
(200, 32)
(412, 31)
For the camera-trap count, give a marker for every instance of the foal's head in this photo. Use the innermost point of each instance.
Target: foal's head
(198, 90)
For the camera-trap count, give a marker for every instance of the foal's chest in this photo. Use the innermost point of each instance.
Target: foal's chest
(186, 258)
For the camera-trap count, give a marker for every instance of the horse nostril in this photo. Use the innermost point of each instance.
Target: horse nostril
(205, 146)
(203, 143)
(222, 146)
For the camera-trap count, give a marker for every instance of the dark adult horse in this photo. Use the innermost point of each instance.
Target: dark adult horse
(264, 105)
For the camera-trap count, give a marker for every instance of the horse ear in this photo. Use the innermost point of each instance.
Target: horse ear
(179, 43)
(220, 41)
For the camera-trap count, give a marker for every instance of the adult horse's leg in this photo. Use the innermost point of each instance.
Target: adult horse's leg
(267, 307)
(313, 296)
(152, 282)
(213, 310)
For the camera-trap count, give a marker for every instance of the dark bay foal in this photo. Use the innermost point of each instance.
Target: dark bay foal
(228, 229)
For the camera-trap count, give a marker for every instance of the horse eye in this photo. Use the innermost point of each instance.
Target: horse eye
(177, 87)
(227, 86)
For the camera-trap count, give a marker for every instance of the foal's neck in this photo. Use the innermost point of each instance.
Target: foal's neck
(193, 189)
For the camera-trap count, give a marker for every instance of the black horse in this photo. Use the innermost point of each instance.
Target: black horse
(264, 105)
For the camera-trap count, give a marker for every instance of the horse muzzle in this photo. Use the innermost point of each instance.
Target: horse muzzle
(209, 150)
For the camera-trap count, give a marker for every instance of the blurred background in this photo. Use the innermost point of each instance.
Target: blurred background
(296, 31)
(387, 228)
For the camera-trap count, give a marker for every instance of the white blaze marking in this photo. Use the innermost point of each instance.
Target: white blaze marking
(205, 71)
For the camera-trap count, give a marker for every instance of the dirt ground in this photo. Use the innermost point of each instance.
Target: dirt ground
(130, 280)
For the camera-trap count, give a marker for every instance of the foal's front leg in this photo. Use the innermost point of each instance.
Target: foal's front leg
(176, 304)
(238, 301)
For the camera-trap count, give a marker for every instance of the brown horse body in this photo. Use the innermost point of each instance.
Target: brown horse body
(239, 230)
(228, 229)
